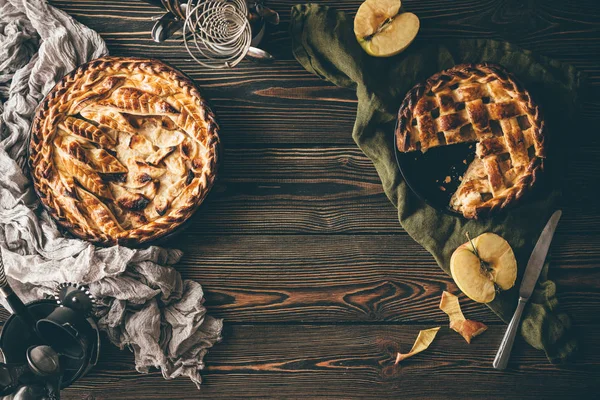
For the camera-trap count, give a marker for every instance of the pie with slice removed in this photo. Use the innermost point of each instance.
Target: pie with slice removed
(482, 104)
(123, 150)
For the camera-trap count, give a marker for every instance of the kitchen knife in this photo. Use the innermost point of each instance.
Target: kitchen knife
(532, 273)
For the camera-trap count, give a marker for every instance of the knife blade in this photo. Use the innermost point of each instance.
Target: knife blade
(538, 256)
(532, 273)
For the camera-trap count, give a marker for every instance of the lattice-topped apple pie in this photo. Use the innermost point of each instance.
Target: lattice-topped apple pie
(123, 150)
(484, 104)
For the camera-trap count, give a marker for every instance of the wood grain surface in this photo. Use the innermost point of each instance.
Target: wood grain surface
(298, 248)
(353, 361)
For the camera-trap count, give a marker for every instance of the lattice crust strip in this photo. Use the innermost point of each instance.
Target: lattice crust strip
(123, 150)
(482, 104)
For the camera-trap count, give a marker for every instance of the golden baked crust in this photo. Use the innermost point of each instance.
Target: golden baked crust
(479, 103)
(123, 150)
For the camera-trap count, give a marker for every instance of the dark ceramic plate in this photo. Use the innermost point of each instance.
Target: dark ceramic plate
(434, 175)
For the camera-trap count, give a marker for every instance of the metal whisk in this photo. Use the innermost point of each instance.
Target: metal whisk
(219, 30)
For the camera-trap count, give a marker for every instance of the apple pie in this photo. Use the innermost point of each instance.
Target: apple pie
(481, 104)
(123, 150)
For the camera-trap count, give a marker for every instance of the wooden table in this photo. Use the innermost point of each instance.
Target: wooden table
(301, 253)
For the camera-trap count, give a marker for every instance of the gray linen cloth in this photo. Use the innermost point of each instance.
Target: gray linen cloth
(144, 304)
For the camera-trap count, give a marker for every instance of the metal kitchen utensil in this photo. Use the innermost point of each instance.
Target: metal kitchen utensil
(14, 345)
(259, 54)
(75, 297)
(43, 361)
(532, 273)
(216, 33)
(165, 27)
(42, 367)
(11, 377)
(15, 303)
(29, 392)
(66, 329)
(272, 17)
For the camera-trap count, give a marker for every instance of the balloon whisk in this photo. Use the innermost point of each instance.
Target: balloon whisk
(217, 33)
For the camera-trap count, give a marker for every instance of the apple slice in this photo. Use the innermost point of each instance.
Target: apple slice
(381, 30)
(482, 266)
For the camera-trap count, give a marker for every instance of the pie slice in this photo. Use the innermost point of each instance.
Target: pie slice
(480, 104)
(123, 150)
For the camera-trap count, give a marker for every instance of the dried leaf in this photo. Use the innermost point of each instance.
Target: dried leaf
(467, 328)
(422, 342)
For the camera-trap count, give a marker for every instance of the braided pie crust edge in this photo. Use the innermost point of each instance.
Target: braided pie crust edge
(55, 108)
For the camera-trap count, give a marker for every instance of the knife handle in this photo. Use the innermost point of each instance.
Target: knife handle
(501, 360)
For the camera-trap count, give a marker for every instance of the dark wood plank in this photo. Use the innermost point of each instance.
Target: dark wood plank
(551, 27)
(248, 71)
(260, 104)
(345, 361)
(336, 190)
(356, 278)
(298, 230)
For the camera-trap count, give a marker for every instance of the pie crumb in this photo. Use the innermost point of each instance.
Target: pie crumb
(443, 189)
(448, 179)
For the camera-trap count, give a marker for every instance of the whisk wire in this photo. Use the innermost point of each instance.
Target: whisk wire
(3, 280)
(217, 33)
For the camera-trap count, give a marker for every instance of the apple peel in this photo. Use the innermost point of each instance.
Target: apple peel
(424, 339)
(467, 328)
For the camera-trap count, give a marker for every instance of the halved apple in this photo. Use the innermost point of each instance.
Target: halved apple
(381, 30)
(482, 266)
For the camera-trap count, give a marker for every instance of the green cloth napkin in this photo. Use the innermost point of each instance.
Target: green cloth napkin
(324, 43)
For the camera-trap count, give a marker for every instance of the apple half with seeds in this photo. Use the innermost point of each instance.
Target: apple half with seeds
(483, 266)
(382, 30)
